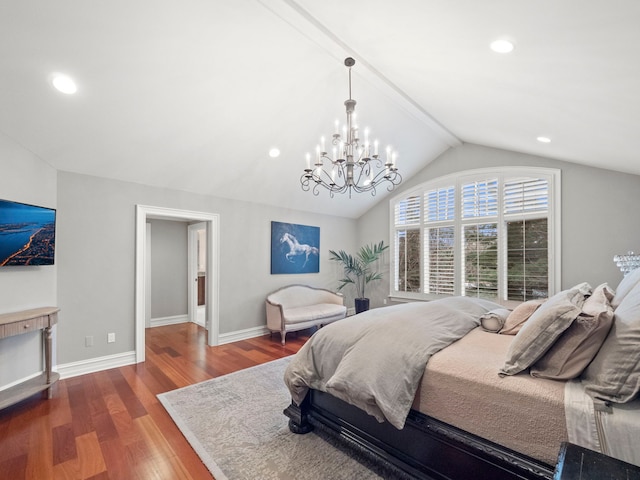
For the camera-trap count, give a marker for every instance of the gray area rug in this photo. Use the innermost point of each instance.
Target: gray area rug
(236, 425)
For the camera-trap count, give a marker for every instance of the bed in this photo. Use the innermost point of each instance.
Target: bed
(469, 399)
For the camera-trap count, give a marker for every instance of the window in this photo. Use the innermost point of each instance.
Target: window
(483, 233)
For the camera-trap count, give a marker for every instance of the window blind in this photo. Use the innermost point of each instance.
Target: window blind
(440, 250)
(440, 204)
(407, 212)
(480, 260)
(486, 233)
(480, 199)
(408, 260)
(526, 195)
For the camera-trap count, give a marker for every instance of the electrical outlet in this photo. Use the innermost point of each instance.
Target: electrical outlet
(384, 301)
(88, 341)
(111, 337)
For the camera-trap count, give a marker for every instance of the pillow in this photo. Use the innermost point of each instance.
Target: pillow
(494, 320)
(543, 328)
(625, 286)
(578, 345)
(614, 375)
(519, 315)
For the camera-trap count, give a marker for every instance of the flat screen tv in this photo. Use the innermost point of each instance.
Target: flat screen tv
(27, 234)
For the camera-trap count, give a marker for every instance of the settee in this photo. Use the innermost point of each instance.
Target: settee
(297, 307)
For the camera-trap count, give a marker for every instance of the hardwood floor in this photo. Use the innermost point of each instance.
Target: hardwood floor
(110, 425)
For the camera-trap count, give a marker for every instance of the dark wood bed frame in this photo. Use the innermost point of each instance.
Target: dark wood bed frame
(424, 449)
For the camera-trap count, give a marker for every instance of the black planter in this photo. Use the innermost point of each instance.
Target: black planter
(362, 304)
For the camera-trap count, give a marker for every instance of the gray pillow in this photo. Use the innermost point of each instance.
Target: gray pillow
(614, 375)
(543, 328)
(578, 345)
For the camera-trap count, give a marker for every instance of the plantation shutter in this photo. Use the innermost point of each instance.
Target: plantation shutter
(407, 244)
(440, 252)
(526, 203)
(440, 240)
(480, 199)
(487, 233)
(440, 204)
(526, 195)
(480, 240)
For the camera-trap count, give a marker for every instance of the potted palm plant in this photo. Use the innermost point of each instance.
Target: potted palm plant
(358, 270)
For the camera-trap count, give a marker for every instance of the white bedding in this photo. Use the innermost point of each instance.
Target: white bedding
(375, 360)
(612, 431)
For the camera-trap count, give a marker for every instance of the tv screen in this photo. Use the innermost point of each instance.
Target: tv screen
(27, 234)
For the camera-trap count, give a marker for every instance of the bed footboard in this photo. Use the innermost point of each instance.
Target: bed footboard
(425, 449)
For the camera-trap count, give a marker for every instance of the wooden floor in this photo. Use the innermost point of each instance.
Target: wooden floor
(110, 425)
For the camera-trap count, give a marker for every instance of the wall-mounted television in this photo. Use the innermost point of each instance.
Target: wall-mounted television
(27, 234)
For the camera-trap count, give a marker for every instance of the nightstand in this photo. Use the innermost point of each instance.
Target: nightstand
(579, 463)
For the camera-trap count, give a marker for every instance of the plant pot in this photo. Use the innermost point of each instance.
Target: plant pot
(362, 305)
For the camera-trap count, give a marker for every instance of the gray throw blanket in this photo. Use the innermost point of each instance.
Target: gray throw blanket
(375, 360)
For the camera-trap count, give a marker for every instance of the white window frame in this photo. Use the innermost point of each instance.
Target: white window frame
(553, 177)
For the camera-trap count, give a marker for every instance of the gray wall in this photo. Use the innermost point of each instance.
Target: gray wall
(168, 268)
(96, 253)
(24, 178)
(93, 280)
(599, 208)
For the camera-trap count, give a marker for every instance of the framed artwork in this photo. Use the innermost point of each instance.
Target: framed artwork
(294, 248)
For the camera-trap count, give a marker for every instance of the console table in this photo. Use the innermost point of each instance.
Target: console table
(18, 323)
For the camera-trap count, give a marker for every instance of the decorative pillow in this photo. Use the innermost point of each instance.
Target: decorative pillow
(543, 328)
(578, 345)
(519, 315)
(614, 375)
(625, 286)
(494, 320)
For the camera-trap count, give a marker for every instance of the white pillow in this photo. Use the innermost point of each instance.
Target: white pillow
(614, 374)
(629, 281)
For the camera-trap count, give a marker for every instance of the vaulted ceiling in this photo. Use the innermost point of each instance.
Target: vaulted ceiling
(191, 95)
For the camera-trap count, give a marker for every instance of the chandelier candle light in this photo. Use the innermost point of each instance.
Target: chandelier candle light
(353, 166)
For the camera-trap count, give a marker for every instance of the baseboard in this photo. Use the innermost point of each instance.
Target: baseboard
(92, 365)
(98, 364)
(242, 335)
(172, 320)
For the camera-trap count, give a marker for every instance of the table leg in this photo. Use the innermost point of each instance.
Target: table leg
(47, 356)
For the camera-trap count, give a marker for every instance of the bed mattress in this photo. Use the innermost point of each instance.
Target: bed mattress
(461, 387)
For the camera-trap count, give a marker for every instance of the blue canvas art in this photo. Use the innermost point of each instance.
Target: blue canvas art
(294, 248)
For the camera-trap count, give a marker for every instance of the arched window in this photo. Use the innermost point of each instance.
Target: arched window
(490, 233)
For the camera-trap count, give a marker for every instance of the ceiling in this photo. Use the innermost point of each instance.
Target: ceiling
(191, 95)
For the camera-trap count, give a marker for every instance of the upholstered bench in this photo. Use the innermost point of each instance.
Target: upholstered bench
(297, 307)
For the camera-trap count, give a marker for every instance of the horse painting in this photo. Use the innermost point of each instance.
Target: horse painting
(296, 248)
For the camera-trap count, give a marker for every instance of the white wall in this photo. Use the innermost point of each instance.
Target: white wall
(24, 178)
(598, 211)
(96, 258)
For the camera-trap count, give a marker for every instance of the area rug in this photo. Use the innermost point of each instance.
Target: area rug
(236, 425)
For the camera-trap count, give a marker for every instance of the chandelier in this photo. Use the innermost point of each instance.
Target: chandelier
(353, 166)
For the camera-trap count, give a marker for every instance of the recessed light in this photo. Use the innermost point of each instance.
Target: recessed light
(64, 83)
(274, 152)
(544, 139)
(502, 46)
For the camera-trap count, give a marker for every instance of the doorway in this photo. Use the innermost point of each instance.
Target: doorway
(211, 223)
